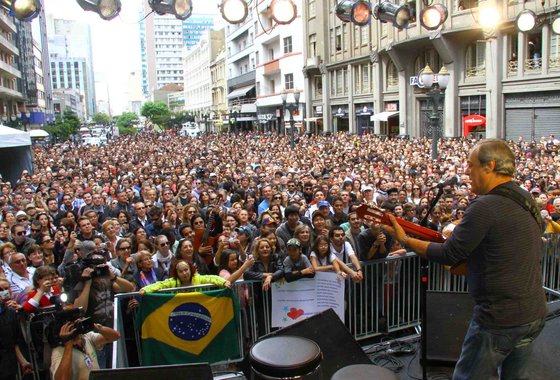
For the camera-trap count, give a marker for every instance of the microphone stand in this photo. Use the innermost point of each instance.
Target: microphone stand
(424, 275)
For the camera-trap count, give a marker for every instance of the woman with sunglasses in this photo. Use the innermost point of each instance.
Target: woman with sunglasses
(125, 260)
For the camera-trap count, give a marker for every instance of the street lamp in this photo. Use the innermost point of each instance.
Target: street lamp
(436, 91)
(292, 107)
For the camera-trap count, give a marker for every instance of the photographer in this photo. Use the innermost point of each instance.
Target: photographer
(96, 290)
(77, 357)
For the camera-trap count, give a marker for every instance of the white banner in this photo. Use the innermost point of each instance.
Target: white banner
(301, 299)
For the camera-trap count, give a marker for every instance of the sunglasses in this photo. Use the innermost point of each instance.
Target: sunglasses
(124, 248)
(20, 233)
(22, 219)
(277, 198)
(164, 244)
(47, 241)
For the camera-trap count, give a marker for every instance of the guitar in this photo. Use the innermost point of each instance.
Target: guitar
(377, 215)
(202, 237)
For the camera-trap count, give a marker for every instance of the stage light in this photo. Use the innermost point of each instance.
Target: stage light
(489, 17)
(234, 11)
(181, 9)
(357, 12)
(24, 10)
(526, 20)
(283, 11)
(106, 9)
(556, 25)
(433, 16)
(398, 15)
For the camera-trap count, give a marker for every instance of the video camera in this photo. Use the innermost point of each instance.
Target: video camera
(73, 271)
(80, 324)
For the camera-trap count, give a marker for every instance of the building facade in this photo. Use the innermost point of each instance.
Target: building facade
(162, 39)
(69, 44)
(279, 59)
(240, 71)
(11, 96)
(360, 79)
(68, 99)
(219, 110)
(198, 78)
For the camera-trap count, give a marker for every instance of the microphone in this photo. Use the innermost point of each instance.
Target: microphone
(450, 182)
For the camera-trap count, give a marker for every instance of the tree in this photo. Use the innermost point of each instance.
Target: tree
(157, 112)
(126, 123)
(101, 118)
(65, 126)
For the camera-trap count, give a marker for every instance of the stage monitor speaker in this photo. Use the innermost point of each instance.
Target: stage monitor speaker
(199, 371)
(338, 346)
(448, 318)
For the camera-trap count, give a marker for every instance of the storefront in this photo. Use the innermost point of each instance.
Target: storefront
(341, 123)
(532, 115)
(269, 118)
(473, 116)
(364, 124)
(388, 119)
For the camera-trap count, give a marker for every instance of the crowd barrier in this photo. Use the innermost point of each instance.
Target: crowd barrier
(388, 300)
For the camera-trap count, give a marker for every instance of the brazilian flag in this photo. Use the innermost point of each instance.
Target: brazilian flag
(188, 327)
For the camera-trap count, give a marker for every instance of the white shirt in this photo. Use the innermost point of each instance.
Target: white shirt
(346, 251)
(324, 261)
(19, 283)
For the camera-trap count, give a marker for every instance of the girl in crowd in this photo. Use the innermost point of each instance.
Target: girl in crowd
(303, 234)
(146, 274)
(322, 259)
(267, 267)
(185, 251)
(47, 227)
(188, 212)
(4, 232)
(34, 258)
(140, 233)
(184, 273)
(111, 237)
(9, 218)
(44, 280)
(47, 247)
(229, 267)
(123, 219)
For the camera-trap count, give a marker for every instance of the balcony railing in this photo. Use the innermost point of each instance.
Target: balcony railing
(478, 71)
(512, 68)
(533, 65)
(554, 63)
(272, 67)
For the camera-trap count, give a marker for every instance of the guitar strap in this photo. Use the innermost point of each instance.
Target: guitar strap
(527, 204)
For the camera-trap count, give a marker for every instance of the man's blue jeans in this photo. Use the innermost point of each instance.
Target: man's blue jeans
(488, 352)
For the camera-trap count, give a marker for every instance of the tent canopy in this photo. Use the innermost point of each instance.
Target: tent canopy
(38, 133)
(10, 137)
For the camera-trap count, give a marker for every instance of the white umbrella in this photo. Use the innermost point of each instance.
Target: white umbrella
(38, 133)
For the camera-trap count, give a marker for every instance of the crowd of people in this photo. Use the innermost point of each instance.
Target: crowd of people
(156, 210)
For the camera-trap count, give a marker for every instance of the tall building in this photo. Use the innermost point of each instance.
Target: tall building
(71, 59)
(362, 79)
(162, 39)
(279, 59)
(11, 96)
(241, 59)
(219, 92)
(134, 93)
(198, 78)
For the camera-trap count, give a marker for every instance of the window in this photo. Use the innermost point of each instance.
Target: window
(272, 86)
(289, 81)
(428, 57)
(271, 54)
(365, 34)
(466, 4)
(345, 36)
(338, 39)
(287, 45)
(257, 57)
(258, 88)
(366, 87)
(313, 45)
(356, 36)
(475, 59)
(392, 74)
(340, 82)
(318, 84)
(312, 9)
(555, 51)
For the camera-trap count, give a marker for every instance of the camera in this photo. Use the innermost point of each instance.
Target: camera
(73, 271)
(82, 325)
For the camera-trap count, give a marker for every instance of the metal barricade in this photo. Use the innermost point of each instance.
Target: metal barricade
(388, 299)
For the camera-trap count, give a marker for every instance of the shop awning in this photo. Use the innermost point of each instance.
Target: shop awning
(383, 116)
(239, 92)
(313, 119)
(246, 118)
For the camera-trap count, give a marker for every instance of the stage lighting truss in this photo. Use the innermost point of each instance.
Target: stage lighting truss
(24, 10)
(358, 12)
(181, 9)
(397, 15)
(283, 11)
(234, 11)
(433, 16)
(106, 9)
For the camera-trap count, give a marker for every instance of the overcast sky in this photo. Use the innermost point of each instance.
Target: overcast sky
(116, 44)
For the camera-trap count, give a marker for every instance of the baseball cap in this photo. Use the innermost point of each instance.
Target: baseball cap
(268, 219)
(293, 242)
(367, 188)
(243, 230)
(21, 213)
(30, 205)
(533, 190)
(323, 204)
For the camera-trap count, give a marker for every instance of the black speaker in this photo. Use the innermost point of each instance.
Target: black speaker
(338, 346)
(448, 316)
(199, 371)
